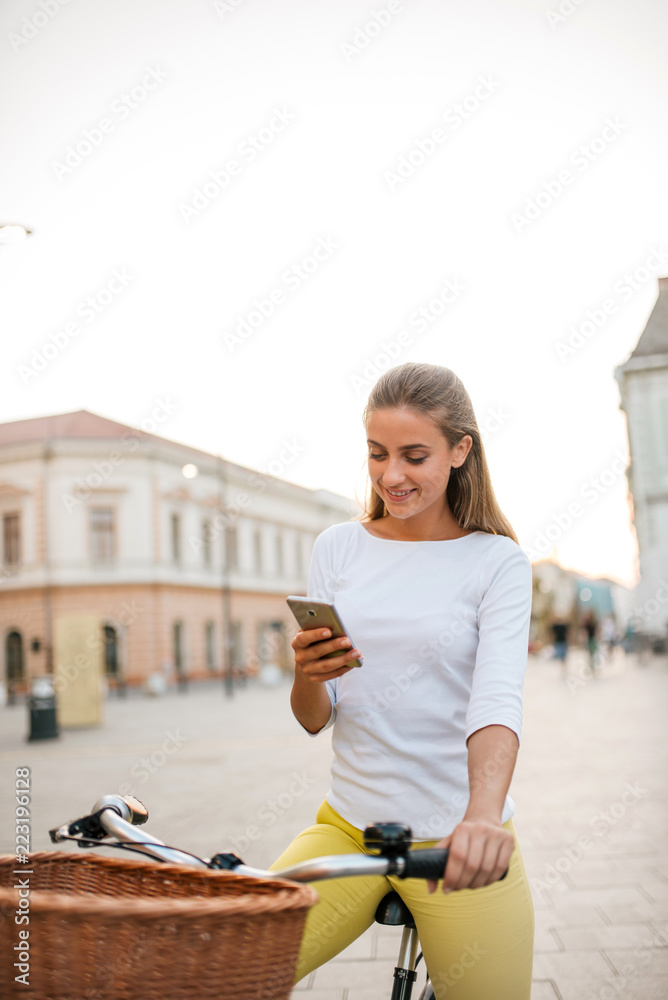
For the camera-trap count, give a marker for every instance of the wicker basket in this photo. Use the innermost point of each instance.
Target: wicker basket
(108, 929)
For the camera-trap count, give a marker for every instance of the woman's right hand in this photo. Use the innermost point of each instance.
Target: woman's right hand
(311, 644)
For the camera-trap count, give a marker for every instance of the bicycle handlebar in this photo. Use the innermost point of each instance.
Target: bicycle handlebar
(117, 816)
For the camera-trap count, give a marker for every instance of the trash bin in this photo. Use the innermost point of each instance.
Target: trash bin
(42, 707)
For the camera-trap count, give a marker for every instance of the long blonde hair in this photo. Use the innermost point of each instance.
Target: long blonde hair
(437, 393)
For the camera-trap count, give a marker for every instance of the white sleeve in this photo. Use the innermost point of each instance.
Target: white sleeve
(503, 638)
(320, 588)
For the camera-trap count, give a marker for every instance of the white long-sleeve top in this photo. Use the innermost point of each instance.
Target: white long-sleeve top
(443, 628)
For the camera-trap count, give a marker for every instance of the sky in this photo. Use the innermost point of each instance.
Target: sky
(243, 212)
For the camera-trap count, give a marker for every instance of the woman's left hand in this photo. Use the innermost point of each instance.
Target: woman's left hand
(480, 850)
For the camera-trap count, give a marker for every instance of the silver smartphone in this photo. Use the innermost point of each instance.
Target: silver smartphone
(319, 614)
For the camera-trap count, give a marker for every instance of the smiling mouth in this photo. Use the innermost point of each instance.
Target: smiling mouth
(398, 493)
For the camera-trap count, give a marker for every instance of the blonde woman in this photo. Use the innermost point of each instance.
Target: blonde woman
(432, 583)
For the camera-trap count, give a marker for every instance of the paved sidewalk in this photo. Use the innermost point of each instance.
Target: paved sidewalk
(590, 791)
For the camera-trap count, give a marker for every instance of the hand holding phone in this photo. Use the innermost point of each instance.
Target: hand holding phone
(319, 615)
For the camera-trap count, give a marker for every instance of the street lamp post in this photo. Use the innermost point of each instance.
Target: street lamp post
(228, 675)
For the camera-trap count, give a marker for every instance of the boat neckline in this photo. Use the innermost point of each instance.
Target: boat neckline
(419, 541)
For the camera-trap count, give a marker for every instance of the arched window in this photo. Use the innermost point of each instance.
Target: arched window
(14, 657)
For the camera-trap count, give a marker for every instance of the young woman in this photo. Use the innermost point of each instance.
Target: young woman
(432, 583)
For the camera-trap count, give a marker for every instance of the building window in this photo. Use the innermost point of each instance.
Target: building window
(279, 552)
(110, 651)
(14, 658)
(210, 641)
(176, 538)
(257, 549)
(207, 536)
(299, 559)
(102, 529)
(11, 551)
(231, 543)
(177, 648)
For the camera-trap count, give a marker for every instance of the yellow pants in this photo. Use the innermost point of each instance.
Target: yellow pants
(477, 943)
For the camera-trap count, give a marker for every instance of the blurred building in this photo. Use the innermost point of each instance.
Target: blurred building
(184, 558)
(562, 595)
(643, 386)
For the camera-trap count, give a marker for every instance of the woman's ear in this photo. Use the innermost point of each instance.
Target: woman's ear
(463, 448)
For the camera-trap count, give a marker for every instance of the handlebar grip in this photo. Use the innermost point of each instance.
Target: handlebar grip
(427, 863)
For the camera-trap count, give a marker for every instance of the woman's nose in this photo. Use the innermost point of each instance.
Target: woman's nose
(394, 474)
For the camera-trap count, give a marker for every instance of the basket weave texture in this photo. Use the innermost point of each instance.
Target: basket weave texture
(109, 929)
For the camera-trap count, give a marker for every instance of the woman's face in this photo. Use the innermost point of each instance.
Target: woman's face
(409, 455)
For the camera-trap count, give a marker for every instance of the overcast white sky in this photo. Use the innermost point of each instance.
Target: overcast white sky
(317, 104)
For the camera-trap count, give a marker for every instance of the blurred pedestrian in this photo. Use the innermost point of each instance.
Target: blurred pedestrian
(560, 640)
(590, 624)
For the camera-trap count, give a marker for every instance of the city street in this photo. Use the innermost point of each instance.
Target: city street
(239, 774)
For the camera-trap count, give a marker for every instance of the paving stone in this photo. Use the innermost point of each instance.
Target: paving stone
(642, 960)
(543, 990)
(571, 965)
(618, 936)
(336, 994)
(641, 912)
(363, 975)
(545, 940)
(640, 988)
(625, 895)
(570, 914)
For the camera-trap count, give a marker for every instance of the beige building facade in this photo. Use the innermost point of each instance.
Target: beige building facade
(643, 387)
(182, 558)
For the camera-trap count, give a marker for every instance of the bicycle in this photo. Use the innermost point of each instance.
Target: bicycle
(118, 817)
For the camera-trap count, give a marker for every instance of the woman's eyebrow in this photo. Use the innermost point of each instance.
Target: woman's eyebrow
(405, 447)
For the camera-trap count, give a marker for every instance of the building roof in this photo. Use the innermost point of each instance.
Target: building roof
(78, 424)
(654, 338)
(81, 424)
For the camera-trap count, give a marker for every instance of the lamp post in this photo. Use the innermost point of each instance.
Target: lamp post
(228, 677)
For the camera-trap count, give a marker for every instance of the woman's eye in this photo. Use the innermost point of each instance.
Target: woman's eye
(413, 461)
